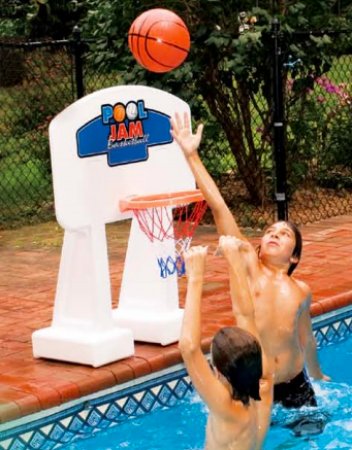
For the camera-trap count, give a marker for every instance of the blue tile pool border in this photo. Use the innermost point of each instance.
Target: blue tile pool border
(80, 419)
(332, 327)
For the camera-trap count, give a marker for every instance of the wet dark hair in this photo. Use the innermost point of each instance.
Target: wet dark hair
(237, 355)
(297, 251)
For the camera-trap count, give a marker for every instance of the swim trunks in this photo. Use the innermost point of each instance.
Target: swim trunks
(295, 393)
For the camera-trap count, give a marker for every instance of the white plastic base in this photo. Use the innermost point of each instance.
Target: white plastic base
(94, 348)
(150, 326)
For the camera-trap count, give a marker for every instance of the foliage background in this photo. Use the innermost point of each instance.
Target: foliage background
(226, 79)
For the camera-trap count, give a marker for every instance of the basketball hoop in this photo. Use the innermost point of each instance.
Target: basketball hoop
(174, 216)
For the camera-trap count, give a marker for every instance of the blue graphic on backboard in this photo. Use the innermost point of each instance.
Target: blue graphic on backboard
(123, 133)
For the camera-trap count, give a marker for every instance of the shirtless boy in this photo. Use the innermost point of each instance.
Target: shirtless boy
(281, 302)
(238, 392)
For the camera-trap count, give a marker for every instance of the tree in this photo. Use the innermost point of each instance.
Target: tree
(35, 19)
(228, 73)
(53, 18)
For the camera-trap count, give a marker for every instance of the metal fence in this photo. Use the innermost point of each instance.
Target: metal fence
(38, 80)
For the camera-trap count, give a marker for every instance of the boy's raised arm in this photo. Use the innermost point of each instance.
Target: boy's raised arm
(213, 392)
(189, 143)
(190, 339)
(233, 250)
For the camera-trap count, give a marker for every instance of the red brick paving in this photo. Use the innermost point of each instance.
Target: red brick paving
(27, 289)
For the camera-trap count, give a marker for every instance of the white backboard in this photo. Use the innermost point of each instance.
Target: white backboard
(112, 144)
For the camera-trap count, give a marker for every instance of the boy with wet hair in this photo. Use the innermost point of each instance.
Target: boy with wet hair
(297, 251)
(238, 392)
(281, 302)
(237, 355)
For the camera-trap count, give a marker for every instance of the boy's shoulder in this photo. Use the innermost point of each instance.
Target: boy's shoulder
(302, 286)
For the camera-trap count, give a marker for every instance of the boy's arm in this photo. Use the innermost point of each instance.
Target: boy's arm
(308, 342)
(189, 143)
(213, 392)
(190, 339)
(233, 250)
(243, 309)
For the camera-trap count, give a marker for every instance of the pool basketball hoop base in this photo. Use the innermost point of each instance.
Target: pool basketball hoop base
(90, 348)
(162, 229)
(105, 148)
(82, 329)
(149, 306)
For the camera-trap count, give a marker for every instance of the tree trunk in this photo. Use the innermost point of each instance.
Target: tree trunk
(236, 124)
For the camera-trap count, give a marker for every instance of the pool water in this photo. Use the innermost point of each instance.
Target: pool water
(334, 406)
(182, 427)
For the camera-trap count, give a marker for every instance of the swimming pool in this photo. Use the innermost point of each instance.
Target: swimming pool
(117, 419)
(183, 427)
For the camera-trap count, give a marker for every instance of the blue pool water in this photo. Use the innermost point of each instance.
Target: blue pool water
(182, 427)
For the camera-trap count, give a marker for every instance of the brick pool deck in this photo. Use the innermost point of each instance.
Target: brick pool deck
(29, 266)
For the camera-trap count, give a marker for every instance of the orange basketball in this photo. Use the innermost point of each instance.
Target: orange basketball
(159, 40)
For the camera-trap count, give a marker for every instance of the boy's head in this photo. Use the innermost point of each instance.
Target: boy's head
(237, 355)
(282, 243)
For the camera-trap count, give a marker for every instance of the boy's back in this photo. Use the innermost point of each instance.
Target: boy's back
(241, 432)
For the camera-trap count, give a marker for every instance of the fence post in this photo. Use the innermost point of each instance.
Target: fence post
(77, 54)
(278, 119)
